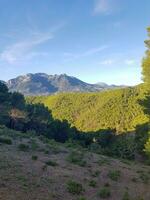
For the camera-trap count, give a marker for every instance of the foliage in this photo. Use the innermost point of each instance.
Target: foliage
(74, 187)
(34, 157)
(51, 163)
(104, 192)
(123, 146)
(5, 140)
(146, 61)
(23, 147)
(92, 183)
(141, 137)
(126, 196)
(114, 175)
(77, 158)
(90, 112)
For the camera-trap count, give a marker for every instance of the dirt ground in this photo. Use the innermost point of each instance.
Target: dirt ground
(27, 174)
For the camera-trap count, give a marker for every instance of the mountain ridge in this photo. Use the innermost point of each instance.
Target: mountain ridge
(43, 84)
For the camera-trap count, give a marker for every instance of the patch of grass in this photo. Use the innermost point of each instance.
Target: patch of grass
(104, 192)
(74, 187)
(34, 144)
(5, 140)
(34, 157)
(107, 185)
(23, 147)
(144, 177)
(95, 173)
(46, 152)
(92, 183)
(126, 196)
(44, 167)
(23, 180)
(81, 198)
(51, 163)
(77, 158)
(134, 180)
(114, 175)
(103, 161)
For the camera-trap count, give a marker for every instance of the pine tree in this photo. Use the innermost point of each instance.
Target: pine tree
(146, 62)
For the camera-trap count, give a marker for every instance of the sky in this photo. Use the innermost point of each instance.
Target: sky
(93, 40)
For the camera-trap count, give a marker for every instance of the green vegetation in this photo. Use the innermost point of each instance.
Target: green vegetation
(5, 140)
(82, 198)
(88, 112)
(23, 147)
(77, 158)
(104, 192)
(74, 187)
(92, 183)
(146, 61)
(34, 157)
(114, 175)
(51, 163)
(126, 196)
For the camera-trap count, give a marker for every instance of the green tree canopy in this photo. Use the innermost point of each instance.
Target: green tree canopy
(146, 61)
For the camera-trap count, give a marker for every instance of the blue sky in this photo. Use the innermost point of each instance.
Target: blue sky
(94, 40)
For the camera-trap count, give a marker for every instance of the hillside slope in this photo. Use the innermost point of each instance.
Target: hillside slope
(32, 168)
(117, 109)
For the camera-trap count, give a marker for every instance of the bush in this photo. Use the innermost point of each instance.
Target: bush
(6, 141)
(123, 146)
(74, 187)
(34, 157)
(92, 183)
(126, 196)
(141, 137)
(23, 147)
(51, 163)
(82, 198)
(114, 175)
(77, 158)
(104, 192)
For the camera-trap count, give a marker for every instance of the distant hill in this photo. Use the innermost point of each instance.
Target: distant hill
(116, 109)
(44, 84)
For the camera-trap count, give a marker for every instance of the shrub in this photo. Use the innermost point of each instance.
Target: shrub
(92, 183)
(74, 187)
(23, 147)
(103, 161)
(114, 175)
(34, 157)
(51, 163)
(82, 198)
(96, 173)
(144, 177)
(34, 145)
(6, 141)
(77, 158)
(123, 146)
(126, 196)
(104, 192)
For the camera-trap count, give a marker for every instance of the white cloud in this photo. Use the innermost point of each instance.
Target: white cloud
(107, 62)
(24, 48)
(71, 56)
(106, 7)
(102, 7)
(130, 61)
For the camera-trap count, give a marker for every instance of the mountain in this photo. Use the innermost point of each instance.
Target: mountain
(44, 84)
